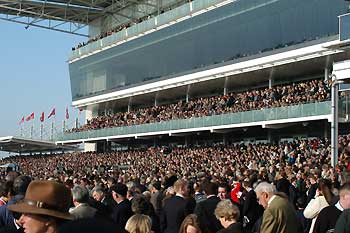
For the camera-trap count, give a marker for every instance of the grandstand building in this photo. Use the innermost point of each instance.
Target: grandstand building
(157, 53)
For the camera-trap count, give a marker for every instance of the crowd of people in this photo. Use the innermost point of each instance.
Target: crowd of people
(257, 99)
(288, 187)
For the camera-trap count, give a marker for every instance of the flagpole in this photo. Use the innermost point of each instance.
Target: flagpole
(52, 124)
(41, 131)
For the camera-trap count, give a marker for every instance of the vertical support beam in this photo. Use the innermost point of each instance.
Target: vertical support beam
(326, 129)
(156, 99)
(129, 104)
(89, 146)
(272, 71)
(188, 93)
(326, 74)
(224, 139)
(186, 141)
(225, 86)
(269, 136)
(334, 123)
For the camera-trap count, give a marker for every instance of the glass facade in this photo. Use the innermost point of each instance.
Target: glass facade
(344, 27)
(303, 110)
(223, 34)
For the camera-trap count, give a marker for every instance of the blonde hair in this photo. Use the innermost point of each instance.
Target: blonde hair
(179, 185)
(225, 209)
(138, 223)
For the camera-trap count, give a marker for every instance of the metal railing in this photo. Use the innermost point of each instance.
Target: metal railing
(295, 111)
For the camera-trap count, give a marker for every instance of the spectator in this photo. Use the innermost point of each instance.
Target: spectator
(80, 200)
(122, 211)
(44, 207)
(279, 215)
(205, 209)
(190, 225)
(328, 216)
(175, 208)
(228, 215)
(138, 223)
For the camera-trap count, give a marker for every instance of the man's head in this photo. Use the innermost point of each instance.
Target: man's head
(20, 185)
(223, 191)
(264, 192)
(119, 192)
(181, 187)
(98, 193)
(344, 194)
(210, 188)
(80, 194)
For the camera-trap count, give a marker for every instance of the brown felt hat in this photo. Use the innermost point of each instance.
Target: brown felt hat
(45, 198)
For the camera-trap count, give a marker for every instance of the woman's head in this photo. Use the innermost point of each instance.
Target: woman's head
(227, 213)
(138, 223)
(324, 188)
(190, 225)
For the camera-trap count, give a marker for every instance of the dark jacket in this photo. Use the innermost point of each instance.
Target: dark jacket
(206, 217)
(233, 228)
(251, 209)
(326, 219)
(175, 211)
(7, 217)
(343, 222)
(121, 213)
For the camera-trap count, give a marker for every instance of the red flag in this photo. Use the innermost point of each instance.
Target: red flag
(67, 113)
(42, 117)
(52, 113)
(30, 117)
(22, 121)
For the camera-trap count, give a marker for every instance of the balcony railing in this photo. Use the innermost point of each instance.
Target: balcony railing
(295, 111)
(149, 25)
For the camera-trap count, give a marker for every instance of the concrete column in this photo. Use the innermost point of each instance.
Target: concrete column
(129, 104)
(89, 146)
(334, 123)
(326, 74)
(269, 136)
(156, 100)
(188, 93)
(271, 77)
(224, 139)
(326, 129)
(225, 86)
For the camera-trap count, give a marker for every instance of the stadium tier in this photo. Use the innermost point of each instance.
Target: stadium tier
(209, 68)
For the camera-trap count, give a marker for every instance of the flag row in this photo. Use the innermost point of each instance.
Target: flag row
(42, 116)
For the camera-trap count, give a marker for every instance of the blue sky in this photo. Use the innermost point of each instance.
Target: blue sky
(34, 75)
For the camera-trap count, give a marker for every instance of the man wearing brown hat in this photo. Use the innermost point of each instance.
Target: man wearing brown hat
(44, 207)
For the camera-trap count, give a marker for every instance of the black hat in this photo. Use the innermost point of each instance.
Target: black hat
(120, 189)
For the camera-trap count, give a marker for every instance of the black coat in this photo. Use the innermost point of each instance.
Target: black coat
(174, 212)
(206, 217)
(121, 213)
(251, 209)
(233, 228)
(326, 219)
